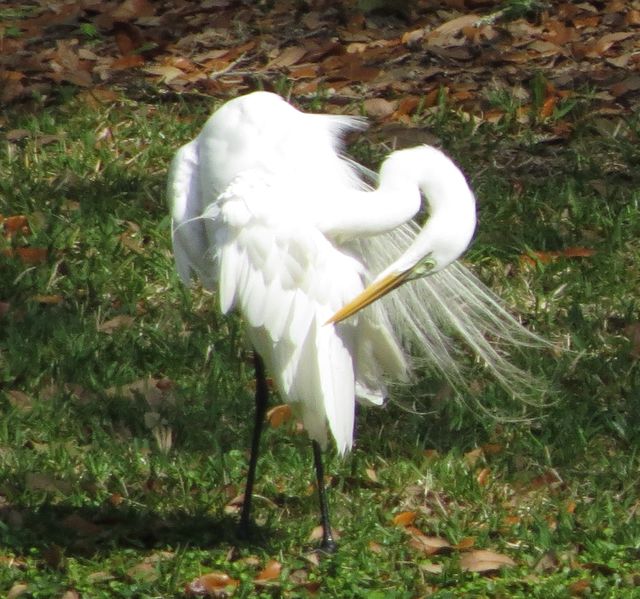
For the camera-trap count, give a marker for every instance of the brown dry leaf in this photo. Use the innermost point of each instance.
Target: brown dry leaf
(608, 40)
(28, 255)
(633, 332)
(303, 71)
(431, 568)
(428, 545)
(410, 38)
(316, 533)
(465, 544)
(379, 108)
(52, 300)
(18, 590)
(131, 10)
(154, 391)
(41, 481)
(70, 594)
(483, 476)
(548, 106)
(213, 584)
(234, 505)
(492, 448)
(167, 73)
(146, 571)
(580, 587)
(288, 57)
(375, 547)
(404, 518)
(99, 576)
(471, 457)
(550, 478)
(81, 526)
(630, 84)
(371, 475)
(17, 134)
(270, 572)
(511, 520)
(129, 61)
(446, 34)
(547, 563)
(484, 561)
(632, 17)
(278, 415)
(19, 400)
(12, 225)
(548, 257)
(122, 321)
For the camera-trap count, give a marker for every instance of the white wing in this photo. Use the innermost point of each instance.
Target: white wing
(286, 279)
(189, 235)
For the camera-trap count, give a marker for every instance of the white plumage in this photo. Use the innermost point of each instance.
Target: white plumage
(249, 201)
(267, 212)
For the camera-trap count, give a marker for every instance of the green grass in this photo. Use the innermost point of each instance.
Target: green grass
(93, 499)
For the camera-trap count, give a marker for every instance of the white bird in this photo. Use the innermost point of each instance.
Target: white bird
(266, 211)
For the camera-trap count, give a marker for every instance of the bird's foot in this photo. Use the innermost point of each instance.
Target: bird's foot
(328, 546)
(247, 530)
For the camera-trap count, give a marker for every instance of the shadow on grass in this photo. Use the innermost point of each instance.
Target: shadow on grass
(85, 532)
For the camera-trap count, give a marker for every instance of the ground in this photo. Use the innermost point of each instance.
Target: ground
(127, 398)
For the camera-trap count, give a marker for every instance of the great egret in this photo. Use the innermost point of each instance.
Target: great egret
(267, 211)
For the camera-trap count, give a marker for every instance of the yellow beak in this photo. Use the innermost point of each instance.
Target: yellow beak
(372, 293)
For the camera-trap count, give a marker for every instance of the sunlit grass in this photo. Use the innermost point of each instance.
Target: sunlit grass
(112, 488)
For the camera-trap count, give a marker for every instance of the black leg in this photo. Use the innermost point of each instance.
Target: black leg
(262, 398)
(328, 544)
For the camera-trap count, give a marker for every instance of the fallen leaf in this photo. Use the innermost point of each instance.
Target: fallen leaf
(270, 572)
(375, 547)
(41, 481)
(318, 531)
(278, 415)
(378, 108)
(12, 225)
(484, 561)
(465, 544)
(580, 587)
(289, 56)
(431, 568)
(122, 321)
(129, 61)
(167, 73)
(213, 584)
(53, 299)
(28, 255)
(428, 545)
(132, 9)
(144, 571)
(483, 476)
(17, 134)
(471, 457)
(633, 332)
(81, 526)
(371, 475)
(548, 257)
(18, 590)
(19, 400)
(404, 518)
